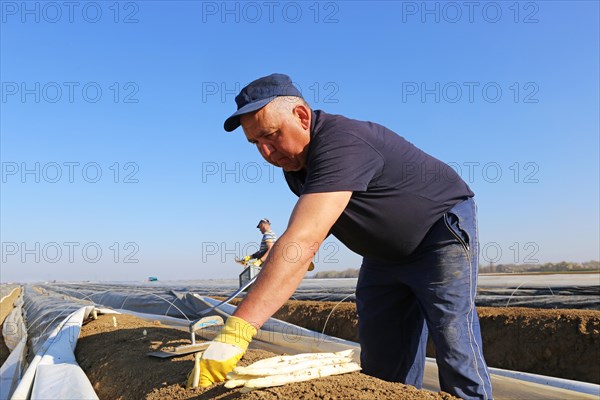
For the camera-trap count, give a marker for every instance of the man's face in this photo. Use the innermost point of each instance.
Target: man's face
(281, 137)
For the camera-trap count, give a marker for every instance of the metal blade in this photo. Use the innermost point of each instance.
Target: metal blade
(180, 350)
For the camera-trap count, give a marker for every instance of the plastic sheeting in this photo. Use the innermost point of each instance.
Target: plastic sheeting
(43, 312)
(275, 334)
(151, 300)
(539, 291)
(54, 364)
(11, 371)
(310, 289)
(52, 325)
(287, 337)
(279, 336)
(567, 384)
(54, 361)
(62, 381)
(13, 329)
(15, 338)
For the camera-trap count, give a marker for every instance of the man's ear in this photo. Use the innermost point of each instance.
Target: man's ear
(303, 114)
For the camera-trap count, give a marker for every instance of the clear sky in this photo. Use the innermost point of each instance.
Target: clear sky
(115, 165)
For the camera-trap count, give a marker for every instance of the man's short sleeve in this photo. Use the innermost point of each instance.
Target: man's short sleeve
(269, 237)
(341, 161)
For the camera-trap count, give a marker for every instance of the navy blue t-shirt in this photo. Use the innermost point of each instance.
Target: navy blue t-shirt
(399, 191)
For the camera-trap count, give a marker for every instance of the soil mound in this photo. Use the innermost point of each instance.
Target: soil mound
(6, 307)
(114, 359)
(559, 343)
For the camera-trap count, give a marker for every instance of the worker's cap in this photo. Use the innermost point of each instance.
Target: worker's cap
(266, 221)
(258, 94)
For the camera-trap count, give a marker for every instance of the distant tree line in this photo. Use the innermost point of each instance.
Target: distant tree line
(563, 266)
(347, 273)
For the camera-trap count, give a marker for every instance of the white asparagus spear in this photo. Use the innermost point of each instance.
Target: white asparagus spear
(301, 376)
(302, 356)
(196, 370)
(234, 380)
(276, 362)
(293, 367)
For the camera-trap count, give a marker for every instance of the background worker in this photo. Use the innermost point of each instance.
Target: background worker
(410, 216)
(266, 244)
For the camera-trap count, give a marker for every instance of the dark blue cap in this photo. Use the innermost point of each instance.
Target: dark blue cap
(258, 94)
(263, 220)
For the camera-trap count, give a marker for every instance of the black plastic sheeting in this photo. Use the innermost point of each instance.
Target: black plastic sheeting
(584, 298)
(156, 301)
(187, 305)
(44, 311)
(135, 295)
(310, 289)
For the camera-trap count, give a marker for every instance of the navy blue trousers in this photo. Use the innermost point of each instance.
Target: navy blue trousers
(431, 292)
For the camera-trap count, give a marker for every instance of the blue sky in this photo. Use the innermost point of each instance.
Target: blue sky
(115, 165)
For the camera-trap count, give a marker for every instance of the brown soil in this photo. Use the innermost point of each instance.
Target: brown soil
(5, 308)
(115, 361)
(560, 343)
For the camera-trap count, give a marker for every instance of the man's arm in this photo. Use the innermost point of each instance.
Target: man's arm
(289, 257)
(269, 244)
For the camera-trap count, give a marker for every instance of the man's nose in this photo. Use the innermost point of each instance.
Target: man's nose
(266, 149)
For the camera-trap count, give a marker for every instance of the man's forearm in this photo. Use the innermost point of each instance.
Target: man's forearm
(290, 256)
(256, 255)
(277, 281)
(263, 257)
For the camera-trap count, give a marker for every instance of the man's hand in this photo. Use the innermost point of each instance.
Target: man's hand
(243, 260)
(257, 263)
(223, 353)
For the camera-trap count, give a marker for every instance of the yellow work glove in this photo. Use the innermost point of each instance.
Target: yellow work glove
(243, 260)
(257, 263)
(222, 354)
